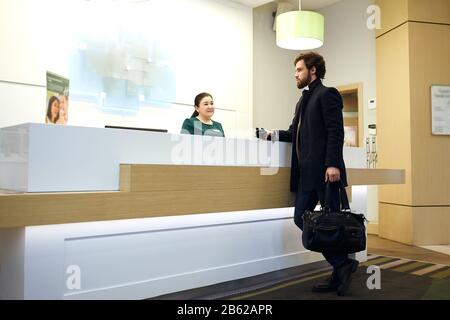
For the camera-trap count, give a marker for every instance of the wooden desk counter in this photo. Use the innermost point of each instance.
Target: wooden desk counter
(165, 190)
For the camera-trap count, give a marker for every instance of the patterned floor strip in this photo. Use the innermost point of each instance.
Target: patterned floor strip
(288, 284)
(411, 266)
(376, 261)
(441, 275)
(418, 268)
(429, 269)
(313, 273)
(411, 259)
(394, 263)
(283, 282)
(372, 259)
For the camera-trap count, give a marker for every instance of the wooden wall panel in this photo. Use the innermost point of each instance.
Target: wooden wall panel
(395, 223)
(393, 111)
(396, 12)
(431, 226)
(434, 11)
(417, 226)
(372, 228)
(413, 50)
(430, 58)
(393, 14)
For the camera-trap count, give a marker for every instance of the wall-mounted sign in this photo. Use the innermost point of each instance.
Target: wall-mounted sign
(440, 110)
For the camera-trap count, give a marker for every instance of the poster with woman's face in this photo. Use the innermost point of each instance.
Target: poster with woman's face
(57, 108)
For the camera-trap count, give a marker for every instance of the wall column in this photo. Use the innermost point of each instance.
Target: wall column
(412, 52)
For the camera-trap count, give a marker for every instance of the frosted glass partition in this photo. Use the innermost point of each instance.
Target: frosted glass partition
(126, 57)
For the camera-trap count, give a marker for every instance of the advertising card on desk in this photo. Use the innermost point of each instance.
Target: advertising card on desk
(57, 107)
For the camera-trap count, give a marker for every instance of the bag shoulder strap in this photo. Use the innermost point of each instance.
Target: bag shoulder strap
(342, 197)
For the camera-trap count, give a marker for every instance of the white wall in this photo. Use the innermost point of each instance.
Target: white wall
(349, 52)
(349, 49)
(210, 42)
(274, 88)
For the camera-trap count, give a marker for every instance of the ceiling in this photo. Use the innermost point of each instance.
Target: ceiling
(306, 4)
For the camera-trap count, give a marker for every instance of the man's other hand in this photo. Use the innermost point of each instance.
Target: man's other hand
(263, 134)
(332, 174)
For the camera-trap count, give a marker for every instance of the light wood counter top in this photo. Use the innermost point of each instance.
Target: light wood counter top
(165, 190)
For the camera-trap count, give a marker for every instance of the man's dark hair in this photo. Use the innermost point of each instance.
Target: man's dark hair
(313, 59)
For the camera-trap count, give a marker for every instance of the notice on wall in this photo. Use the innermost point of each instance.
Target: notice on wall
(440, 109)
(350, 136)
(57, 107)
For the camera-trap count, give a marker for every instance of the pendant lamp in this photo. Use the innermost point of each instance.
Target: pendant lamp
(300, 30)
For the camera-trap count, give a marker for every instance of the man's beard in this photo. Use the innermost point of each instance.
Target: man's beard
(303, 83)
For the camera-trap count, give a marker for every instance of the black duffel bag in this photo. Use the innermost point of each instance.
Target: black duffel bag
(334, 232)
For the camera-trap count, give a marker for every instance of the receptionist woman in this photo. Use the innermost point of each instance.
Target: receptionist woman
(200, 122)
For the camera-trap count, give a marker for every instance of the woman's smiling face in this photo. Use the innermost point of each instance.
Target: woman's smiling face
(206, 107)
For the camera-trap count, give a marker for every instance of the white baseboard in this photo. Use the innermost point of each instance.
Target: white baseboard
(179, 282)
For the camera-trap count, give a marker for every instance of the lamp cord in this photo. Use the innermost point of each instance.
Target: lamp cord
(299, 5)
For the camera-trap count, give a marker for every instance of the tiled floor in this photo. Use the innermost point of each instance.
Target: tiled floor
(402, 279)
(386, 247)
(440, 249)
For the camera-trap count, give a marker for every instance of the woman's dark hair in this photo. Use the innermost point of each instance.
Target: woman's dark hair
(313, 59)
(49, 109)
(197, 100)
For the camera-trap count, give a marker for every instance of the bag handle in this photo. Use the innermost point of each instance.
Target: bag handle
(343, 199)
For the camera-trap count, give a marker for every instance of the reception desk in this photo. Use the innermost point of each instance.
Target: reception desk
(91, 213)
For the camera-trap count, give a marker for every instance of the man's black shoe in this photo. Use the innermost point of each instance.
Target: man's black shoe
(344, 273)
(329, 285)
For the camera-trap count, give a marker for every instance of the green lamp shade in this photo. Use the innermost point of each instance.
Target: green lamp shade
(300, 30)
